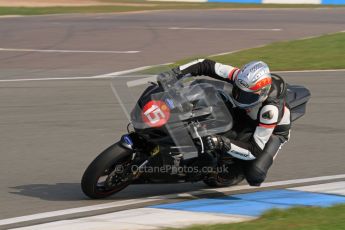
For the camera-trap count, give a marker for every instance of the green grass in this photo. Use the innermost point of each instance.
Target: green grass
(144, 6)
(324, 52)
(300, 218)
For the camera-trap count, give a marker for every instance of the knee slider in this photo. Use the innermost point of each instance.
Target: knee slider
(255, 176)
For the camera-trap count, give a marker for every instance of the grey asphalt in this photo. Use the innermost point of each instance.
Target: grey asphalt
(51, 130)
(148, 33)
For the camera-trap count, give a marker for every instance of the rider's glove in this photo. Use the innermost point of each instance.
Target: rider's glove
(217, 143)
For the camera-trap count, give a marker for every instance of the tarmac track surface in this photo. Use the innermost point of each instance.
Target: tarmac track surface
(51, 130)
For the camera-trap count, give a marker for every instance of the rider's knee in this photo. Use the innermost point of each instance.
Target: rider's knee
(255, 176)
(256, 171)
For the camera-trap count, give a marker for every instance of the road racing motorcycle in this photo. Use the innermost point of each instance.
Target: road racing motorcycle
(166, 144)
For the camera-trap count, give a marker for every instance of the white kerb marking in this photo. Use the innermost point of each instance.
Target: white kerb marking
(74, 210)
(158, 198)
(142, 219)
(337, 188)
(223, 29)
(70, 51)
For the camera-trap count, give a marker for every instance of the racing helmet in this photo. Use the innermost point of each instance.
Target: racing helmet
(252, 84)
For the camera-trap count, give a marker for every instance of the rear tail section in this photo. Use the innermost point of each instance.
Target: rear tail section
(297, 98)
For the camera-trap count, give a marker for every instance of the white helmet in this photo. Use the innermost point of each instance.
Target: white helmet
(252, 84)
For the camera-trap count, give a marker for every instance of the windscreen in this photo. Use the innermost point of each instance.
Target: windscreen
(186, 108)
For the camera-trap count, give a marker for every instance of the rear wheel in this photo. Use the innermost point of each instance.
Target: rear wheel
(109, 173)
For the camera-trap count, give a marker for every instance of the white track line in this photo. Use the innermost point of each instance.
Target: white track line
(102, 76)
(235, 51)
(311, 71)
(141, 81)
(221, 29)
(70, 51)
(157, 198)
(262, 45)
(119, 73)
(11, 16)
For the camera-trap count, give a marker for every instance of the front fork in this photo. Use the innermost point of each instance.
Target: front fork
(127, 142)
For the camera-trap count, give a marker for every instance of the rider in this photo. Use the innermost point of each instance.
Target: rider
(262, 119)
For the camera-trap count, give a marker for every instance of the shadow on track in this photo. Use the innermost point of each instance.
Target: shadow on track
(52, 192)
(72, 191)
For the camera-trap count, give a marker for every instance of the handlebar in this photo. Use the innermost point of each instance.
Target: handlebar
(168, 80)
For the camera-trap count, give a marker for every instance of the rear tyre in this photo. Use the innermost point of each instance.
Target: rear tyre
(109, 173)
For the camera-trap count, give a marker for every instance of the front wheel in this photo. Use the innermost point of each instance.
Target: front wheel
(107, 174)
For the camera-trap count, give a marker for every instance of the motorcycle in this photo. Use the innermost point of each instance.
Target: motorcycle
(170, 121)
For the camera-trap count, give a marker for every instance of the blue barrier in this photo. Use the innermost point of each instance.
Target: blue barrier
(333, 2)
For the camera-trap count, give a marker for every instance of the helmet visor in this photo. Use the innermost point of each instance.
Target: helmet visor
(243, 97)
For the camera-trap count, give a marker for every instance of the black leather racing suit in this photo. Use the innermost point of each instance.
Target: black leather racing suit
(261, 130)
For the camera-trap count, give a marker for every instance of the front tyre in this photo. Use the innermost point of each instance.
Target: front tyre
(109, 173)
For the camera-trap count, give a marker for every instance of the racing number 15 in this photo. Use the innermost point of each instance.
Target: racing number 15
(154, 114)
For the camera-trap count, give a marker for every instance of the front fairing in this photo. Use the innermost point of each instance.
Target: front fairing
(176, 114)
